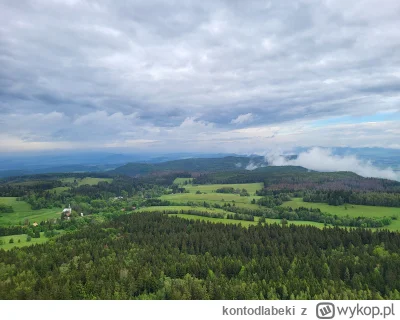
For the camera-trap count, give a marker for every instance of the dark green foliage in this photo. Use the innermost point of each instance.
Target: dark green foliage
(269, 202)
(240, 216)
(6, 209)
(340, 197)
(152, 256)
(294, 179)
(193, 165)
(155, 202)
(242, 193)
(311, 214)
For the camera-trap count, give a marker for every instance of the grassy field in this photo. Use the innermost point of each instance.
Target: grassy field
(181, 181)
(210, 188)
(219, 198)
(22, 211)
(59, 190)
(87, 180)
(352, 210)
(208, 194)
(23, 243)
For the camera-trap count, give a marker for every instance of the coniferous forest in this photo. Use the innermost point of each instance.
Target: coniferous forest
(153, 256)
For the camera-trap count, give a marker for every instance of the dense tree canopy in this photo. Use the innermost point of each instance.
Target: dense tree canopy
(152, 256)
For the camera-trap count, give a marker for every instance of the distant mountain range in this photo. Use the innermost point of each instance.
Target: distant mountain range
(141, 163)
(230, 163)
(17, 165)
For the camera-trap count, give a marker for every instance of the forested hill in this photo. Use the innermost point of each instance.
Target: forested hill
(230, 163)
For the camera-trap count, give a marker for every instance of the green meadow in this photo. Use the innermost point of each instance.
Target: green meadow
(208, 194)
(59, 190)
(209, 197)
(210, 188)
(22, 211)
(81, 182)
(352, 210)
(22, 238)
(181, 181)
(88, 180)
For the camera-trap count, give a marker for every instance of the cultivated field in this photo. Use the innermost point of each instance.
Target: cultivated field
(23, 210)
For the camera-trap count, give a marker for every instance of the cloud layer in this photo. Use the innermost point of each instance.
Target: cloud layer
(167, 75)
(319, 159)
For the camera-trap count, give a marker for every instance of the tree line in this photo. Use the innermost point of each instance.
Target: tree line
(339, 197)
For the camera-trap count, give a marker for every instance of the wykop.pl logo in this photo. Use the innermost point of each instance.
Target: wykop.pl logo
(325, 310)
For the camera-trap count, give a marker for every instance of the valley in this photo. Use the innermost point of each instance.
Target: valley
(184, 225)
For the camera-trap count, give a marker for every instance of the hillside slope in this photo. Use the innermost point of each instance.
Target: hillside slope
(230, 163)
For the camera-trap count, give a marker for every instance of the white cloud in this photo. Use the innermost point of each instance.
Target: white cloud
(319, 159)
(251, 166)
(243, 118)
(192, 74)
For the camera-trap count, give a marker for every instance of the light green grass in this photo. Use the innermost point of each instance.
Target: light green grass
(88, 180)
(24, 243)
(181, 181)
(353, 210)
(69, 180)
(209, 195)
(250, 187)
(93, 181)
(59, 190)
(22, 211)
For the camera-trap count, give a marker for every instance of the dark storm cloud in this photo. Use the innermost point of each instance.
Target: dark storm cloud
(106, 70)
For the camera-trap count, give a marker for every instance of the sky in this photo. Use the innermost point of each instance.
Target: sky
(199, 76)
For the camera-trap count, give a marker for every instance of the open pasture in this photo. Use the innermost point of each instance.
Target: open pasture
(219, 198)
(181, 181)
(87, 180)
(22, 211)
(352, 210)
(210, 188)
(22, 238)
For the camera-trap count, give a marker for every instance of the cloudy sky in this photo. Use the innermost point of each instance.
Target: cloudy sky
(227, 76)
